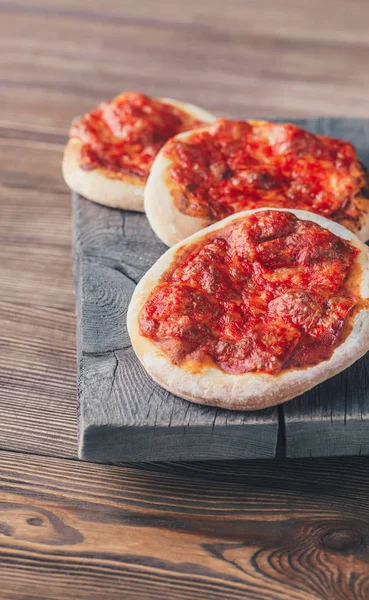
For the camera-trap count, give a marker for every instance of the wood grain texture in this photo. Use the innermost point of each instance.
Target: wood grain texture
(262, 530)
(124, 414)
(37, 323)
(255, 57)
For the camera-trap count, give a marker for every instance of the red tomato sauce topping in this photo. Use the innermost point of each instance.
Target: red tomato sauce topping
(238, 165)
(266, 293)
(123, 136)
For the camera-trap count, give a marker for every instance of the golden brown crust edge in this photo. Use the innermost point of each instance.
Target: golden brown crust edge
(250, 391)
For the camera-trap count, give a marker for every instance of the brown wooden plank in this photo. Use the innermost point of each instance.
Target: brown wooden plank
(277, 530)
(37, 379)
(337, 20)
(37, 323)
(280, 61)
(35, 225)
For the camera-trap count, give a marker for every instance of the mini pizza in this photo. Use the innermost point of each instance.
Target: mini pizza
(254, 310)
(200, 177)
(111, 150)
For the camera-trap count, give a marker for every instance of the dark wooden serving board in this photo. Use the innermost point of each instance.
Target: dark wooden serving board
(124, 415)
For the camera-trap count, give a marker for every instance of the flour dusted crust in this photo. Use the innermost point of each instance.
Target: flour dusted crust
(123, 192)
(172, 226)
(249, 391)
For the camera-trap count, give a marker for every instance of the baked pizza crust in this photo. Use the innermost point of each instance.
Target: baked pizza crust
(127, 192)
(169, 223)
(249, 391)
(172, 226)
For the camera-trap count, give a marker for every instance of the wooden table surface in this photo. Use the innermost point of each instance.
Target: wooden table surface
(264, 530)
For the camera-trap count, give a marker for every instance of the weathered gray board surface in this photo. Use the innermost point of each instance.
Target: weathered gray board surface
(124, 415)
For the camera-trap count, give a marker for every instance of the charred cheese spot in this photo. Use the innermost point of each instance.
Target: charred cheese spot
(266, 293)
